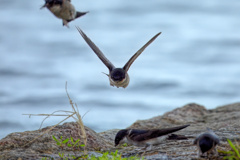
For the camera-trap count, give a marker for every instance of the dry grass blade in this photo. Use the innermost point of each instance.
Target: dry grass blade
(49, 115)
(82, 132)
(68, 114)
(48, 130)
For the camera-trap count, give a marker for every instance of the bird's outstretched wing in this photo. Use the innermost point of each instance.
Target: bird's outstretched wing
(96, 50)
(134, 57)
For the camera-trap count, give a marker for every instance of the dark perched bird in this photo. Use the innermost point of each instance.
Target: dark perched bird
(117, 76)
(206, 143)
(63, 9)
(145, 138)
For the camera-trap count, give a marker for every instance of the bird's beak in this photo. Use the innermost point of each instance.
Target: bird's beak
(45, 5)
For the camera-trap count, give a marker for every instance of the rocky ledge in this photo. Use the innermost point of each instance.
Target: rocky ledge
(224, 120)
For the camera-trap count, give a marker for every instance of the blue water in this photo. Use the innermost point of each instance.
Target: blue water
(196, 59)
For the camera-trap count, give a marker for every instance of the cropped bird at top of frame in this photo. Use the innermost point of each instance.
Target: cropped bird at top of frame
(63, 9)
(117, 76)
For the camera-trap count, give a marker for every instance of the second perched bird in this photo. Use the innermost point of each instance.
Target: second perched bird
(63, 9)
(145, 138)
(117, 76)
(206, 142)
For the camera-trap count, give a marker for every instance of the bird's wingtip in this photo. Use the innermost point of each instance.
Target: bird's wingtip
(186, 125)
(157, 34)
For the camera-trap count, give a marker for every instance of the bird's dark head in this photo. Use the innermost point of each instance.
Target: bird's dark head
(118, 74)
(50, 3)
(206, 142)
(120, 136)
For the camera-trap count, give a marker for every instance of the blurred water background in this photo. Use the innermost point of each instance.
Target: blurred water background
(196, 59)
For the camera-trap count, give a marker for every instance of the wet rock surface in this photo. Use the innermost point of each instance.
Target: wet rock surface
(224, 120)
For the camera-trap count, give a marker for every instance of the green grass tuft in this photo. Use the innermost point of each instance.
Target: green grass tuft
(76, 147)
(232, 154)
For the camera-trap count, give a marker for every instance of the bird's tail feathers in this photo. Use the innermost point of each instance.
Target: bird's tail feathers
(173, 129)
(79, 14)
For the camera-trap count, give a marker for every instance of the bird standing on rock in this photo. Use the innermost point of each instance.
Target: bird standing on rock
(206, 143)
(117, 76)
(145, 138)
(63, 9)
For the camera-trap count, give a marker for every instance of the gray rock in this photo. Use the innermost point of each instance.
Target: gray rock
(15, 145)
(224, 121)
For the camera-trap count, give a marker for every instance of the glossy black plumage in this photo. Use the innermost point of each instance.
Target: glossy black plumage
(144, 137)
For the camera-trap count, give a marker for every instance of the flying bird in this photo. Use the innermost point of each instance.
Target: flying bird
(63, 9)
(206, 143)
(145, 138)
(117, 76)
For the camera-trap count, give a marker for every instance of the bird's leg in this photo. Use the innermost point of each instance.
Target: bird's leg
(111, 84)
(215, 151)
(199, 154)
(106, 74)
(149, 147)
(205, 154)
(65, 23)
(144, 148)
